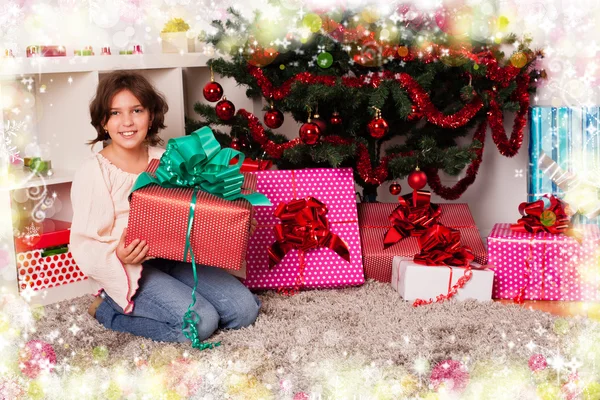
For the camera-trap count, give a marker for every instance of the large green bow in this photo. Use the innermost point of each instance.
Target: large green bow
(197, 161)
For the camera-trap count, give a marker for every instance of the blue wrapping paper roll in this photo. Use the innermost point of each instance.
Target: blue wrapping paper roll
(571, 137)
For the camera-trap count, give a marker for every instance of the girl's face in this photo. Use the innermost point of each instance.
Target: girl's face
(128, 121)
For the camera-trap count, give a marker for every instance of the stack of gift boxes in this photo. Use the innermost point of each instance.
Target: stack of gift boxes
(43, 257)
(311, 233)
(553, 251)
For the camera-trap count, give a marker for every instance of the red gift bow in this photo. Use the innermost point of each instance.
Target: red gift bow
(411, 220)
(304, 226)
(441, 246)
(531, 220)
(255, 165)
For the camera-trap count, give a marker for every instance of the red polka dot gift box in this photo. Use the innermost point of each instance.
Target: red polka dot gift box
(219, 233)
(44, 259)
(374, 221)
(309, 237)
(545, 266)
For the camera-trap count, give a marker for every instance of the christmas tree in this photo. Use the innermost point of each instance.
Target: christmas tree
(385, 94)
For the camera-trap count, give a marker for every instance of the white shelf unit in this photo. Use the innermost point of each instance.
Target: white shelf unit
(62, 122)
(44, 65)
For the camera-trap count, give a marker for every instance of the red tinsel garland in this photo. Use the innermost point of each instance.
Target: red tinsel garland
(425, 107)
(422, 107)
(454, 192)
(510, 147)
(273, 149)
(422, 103)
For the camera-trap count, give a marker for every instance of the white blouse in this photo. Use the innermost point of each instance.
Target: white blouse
(99, 195)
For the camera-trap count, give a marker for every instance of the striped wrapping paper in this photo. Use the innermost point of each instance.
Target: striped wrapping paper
(545, 266)
(219, 233)
(373, 222)
(571, 137)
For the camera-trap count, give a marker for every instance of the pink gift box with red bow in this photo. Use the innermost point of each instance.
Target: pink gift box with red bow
(323, 267)
(545, 266)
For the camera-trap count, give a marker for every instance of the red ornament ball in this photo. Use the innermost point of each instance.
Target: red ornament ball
(378, 128)
(35, 357)
(309, 133)
(395, 188)
(273, 118)
(452, 374)
(417, 180)
(225, 110)
(235, 144)
(537, 362)
(317, 120)
(335, 119)
(213, 91)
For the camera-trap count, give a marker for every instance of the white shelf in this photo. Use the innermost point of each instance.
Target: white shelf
(38, 65)
(25, 180)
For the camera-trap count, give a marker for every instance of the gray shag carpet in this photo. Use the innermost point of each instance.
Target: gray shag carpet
(362, 342)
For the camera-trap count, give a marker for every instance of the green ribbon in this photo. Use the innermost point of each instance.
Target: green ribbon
(55, 250)
(38, 165)
(197, 161)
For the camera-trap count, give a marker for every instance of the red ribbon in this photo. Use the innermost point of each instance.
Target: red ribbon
(441, 246)
(462, 281)
(255, 165)
(304, 226)
(411, 219)
(532, 214)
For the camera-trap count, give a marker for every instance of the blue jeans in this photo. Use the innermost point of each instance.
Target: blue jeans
(163, 297)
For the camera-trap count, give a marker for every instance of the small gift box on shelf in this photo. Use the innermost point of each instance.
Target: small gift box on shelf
(43, 257)
(542, 257)
(193, 198)
(38, 165)
(135, 49)
(309, 237)
(443, 269)
(87, 51)
(174, 37)
(46, 51)
(390, 229)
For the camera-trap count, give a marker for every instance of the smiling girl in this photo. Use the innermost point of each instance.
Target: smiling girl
(142, 296)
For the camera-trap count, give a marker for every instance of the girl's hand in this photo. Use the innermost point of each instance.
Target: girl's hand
(135, 253)
(253, 224)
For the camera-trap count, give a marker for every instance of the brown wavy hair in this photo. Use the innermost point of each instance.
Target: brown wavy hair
(149, 97)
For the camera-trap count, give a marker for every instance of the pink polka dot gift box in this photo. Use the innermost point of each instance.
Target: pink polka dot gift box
(323, 267)
(545, 266)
